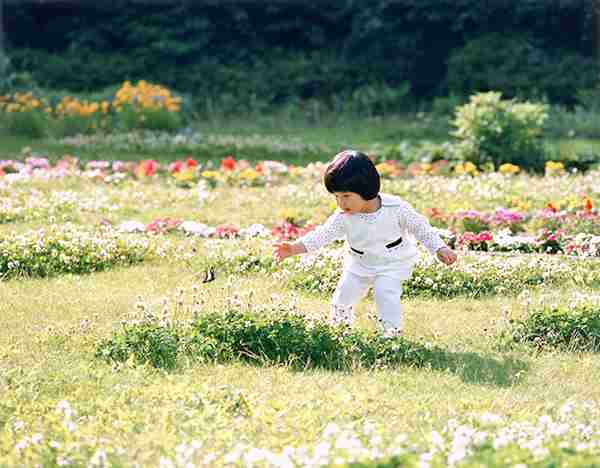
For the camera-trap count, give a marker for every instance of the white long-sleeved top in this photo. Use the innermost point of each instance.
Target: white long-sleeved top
(379, 242)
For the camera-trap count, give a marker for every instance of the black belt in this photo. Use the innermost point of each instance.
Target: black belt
(389, 246)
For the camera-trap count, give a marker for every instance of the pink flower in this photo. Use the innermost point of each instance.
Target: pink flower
(226, 231)
(163, 225)
(285, 231)
(147, 167)
(175, 167)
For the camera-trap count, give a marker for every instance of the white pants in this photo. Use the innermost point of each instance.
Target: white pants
(352, 287)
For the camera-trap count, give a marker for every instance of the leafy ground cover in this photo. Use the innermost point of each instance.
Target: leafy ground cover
(120, 350)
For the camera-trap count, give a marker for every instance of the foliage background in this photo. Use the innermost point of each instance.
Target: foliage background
(253, 53)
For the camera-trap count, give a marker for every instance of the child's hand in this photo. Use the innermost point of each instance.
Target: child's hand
(445, 255)
(284, 250)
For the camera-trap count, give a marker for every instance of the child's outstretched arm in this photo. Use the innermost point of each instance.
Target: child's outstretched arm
(419, 226)
(332, 229)
(284, 250)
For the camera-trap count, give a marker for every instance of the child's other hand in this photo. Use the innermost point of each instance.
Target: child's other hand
(284, 250)
(447, 256)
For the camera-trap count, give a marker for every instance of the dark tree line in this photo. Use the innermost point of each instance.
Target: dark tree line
(296, 49)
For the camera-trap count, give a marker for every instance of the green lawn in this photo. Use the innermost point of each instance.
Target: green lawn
(61, 404)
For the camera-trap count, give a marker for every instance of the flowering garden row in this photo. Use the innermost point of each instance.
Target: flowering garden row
(228, 171)
(140, 105)
(69, 249)
(546, 241)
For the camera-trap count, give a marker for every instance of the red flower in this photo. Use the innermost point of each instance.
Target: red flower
(588, 205)
(258, 168)
(228, 164)
(189, 162)
(485, 236)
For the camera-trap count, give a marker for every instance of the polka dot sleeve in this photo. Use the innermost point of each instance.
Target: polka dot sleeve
(418, 225)
(334, 228)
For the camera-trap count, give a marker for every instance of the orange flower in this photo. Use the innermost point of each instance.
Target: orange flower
(552, 207)
(588, 204)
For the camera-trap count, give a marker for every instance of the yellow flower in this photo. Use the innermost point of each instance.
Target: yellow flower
(508, 168)
(184, 176)
(249, 174)
(466, 168)
(553, 168)
(210, 174)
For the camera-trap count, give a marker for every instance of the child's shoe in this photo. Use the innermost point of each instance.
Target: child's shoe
(391, 332)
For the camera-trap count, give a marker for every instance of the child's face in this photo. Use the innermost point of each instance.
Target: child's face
(350, 202)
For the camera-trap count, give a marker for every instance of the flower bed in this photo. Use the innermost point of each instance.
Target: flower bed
(68, 249)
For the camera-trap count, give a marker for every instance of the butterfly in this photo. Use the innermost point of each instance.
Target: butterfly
(209, 275)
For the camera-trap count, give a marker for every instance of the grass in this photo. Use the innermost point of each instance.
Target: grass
(47, 357)
(137, 415)
(327, 136)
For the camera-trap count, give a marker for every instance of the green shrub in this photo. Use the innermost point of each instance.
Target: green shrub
(374, 99)
(144, 342)
(516, 66)
(445, 106)
(67, 249)
(75, 125)
(149, 119)
(265, 337)
(581, 160)
(575, 329)
(30, 124)
(589, 98)
(492, 131)
(579, 122)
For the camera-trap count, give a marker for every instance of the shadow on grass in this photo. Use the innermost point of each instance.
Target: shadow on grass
(477, 369)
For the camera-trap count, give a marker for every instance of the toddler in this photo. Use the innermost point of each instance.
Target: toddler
(380, 232)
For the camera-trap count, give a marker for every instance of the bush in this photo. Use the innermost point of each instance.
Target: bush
(575, 329)
(30, 123)
(267, 337)
(516, 66)
(581, 160)
(492, 131)
(581, 122)
(67, 249)
(149, 119)
(589, 99)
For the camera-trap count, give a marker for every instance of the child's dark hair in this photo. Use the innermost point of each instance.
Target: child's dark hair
(352, 171)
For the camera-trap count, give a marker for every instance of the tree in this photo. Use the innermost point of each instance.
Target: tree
(597, 35)
(1, 28)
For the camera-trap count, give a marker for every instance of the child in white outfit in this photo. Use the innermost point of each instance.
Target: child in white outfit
(380, 232)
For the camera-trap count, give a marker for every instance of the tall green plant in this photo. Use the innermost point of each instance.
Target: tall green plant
(493, 131)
